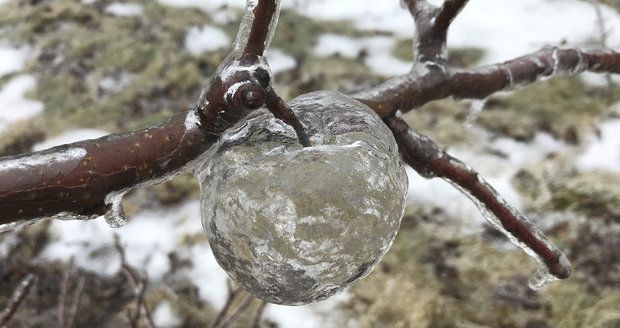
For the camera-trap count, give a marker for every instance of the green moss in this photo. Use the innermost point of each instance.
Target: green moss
(565, 107)
(81, 46)
(332, 73)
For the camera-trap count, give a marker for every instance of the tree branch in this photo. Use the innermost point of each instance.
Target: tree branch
(77, 179)
(20, 293)
(447, 13)
(423, 155)
(415, 89)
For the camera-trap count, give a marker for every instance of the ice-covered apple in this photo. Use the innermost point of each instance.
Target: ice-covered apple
(296, 225)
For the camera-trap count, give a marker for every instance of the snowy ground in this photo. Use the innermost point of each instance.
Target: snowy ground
(506, 29)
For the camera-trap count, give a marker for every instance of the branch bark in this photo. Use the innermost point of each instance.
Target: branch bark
(417, 88)
(77, 178)
(423, 155)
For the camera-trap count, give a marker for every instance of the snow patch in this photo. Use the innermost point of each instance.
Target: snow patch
(603, 153)
(279, 61)
(315, 315)
(206, 39)
(164, 316)
(124, 9)
(13, 59)
(14, 106)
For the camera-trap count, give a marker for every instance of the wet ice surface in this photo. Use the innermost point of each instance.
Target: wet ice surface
(524, 27)
(296, 225)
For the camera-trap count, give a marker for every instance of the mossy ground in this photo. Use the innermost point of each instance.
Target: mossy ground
(434, 275)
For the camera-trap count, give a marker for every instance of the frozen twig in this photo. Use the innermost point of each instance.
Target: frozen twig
(66, 318)
(259, 314)
(247, 301)
(604, 36)
(413, 90)
(446, 14)
(139, 282)
(77, 179)
(423, 155)
(232, 295)
(20, 294)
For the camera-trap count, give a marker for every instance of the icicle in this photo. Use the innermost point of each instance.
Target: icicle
(115, 216)
(541, 278)
(477, 106)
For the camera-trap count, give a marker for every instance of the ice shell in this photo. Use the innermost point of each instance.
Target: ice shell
(296, 225)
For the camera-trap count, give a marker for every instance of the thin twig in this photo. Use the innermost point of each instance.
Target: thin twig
(259, 314)
(423, 155)
(20, 293)
(66, 319)
(139, 282)
(447, 13)
(603, 35)
(77, 297)
(232, 295)
(247, 301)
(413, 90)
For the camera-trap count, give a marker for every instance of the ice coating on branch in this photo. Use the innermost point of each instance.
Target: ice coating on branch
(296, 225)
(542, 275)
(246, 25)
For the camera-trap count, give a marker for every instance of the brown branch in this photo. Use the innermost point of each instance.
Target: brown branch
(423, 155)
(265, 16)
(20, 293)
(76, 178)
(259, 314)
(415, 89)
(446, 15)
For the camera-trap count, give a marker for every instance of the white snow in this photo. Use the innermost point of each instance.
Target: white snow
(14, 106)
(206, 39)
(308, 316)
(279, 61)
(164, 316)
(69, 137)
(124, 9)
(603, 153)
(209, 277)
(13, 59)
(148, 239)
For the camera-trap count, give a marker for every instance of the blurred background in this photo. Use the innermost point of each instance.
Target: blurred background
(73, 70)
